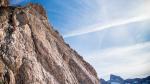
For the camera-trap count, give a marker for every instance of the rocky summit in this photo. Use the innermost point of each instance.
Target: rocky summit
(32, 52)
(4, 3)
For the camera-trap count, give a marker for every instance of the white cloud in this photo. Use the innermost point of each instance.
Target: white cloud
(143, 9)
(127, 15)
(107, 25)
(128, 62)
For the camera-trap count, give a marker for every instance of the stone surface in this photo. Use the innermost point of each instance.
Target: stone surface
(4, 3)
(32, 52)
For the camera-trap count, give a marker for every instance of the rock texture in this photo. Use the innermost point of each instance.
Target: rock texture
(32, 52)
(4, 3)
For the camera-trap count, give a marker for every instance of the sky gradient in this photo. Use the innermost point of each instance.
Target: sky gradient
(112, 35)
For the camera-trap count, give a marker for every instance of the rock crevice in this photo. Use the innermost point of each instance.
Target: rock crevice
(32, 52)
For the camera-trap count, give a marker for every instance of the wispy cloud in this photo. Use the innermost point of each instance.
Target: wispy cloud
(126, 21)
(108, 14)
(128, 62)
(108, 25)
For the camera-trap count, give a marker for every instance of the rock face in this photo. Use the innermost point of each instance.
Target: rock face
(32, 52)
(4, 3)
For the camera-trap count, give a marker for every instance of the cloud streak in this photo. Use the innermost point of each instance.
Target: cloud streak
(128, 62)
(108, 25)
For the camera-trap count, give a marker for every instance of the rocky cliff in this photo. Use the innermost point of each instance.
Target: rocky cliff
(32, 52)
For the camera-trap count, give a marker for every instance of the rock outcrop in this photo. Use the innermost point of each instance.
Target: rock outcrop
(4, 3)
(32, 52)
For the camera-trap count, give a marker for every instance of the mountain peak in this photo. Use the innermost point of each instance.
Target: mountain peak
(38, 8)
(114, 79)
(32, 52)
(4, 3)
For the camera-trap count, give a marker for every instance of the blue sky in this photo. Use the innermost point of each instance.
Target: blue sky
(112, 35)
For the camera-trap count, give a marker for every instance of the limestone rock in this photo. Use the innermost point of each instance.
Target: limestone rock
(32, 52)
(4, 3)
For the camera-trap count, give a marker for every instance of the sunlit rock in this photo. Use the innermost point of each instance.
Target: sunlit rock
(32, 52)
(4, 3)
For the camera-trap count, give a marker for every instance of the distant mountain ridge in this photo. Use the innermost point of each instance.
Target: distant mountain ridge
(118, 80)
